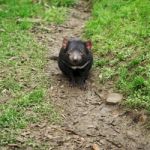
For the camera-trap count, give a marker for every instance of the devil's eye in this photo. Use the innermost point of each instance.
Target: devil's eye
(81, 53)
(68, 52)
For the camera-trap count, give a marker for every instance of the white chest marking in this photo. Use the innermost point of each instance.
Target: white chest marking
(79, 67)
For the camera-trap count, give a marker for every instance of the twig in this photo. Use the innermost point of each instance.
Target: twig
(71, 131)
(115, 144)
(98, 94)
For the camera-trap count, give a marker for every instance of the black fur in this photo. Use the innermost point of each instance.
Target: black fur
(76, 75)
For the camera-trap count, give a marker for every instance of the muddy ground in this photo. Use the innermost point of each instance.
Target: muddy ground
(87, 119)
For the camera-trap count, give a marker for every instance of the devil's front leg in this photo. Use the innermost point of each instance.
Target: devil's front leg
(67, 72)
(72, 79)
(81, 80)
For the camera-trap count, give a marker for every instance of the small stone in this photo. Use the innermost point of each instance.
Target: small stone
(100, 76)
(114, 98)
(62, 86)
(85, 113)
(95, 147)
(130, 134)
(102, 142)
(115, 113)
(4, 91)
(91, 126)
(20, 139)
(51, 87)
(49, 136)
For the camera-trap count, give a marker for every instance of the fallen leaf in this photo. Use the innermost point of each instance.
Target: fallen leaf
(143, 118)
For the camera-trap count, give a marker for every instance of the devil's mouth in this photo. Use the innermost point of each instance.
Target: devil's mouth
(74, 67)
(80, 66)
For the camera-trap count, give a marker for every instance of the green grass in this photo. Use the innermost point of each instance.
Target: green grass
(30, 107)
(62, 2)
(12, 11)
(120, 32)
(55, 15)
(23, 82)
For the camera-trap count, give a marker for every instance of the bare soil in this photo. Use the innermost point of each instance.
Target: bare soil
(88, 121)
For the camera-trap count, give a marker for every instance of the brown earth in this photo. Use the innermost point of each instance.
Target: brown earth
(88, 122)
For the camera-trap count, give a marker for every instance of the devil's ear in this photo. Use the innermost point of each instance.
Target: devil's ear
(88, 44)
(65, 42)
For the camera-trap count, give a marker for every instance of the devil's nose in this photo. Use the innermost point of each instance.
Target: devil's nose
(75, 59)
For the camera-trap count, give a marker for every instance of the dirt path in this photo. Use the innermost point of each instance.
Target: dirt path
(87, 119)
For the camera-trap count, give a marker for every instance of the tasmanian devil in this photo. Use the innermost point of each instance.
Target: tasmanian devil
(75, 60)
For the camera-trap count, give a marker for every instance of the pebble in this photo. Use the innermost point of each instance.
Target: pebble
(114, 98)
